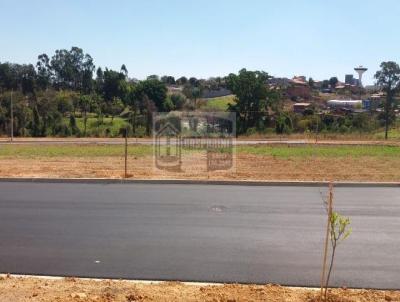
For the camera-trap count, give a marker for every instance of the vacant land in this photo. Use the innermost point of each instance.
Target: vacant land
(217, 104)
(71, 289)
(255, 162)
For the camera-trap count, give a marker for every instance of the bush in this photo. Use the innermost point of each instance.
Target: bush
(140, 131)
(127, 129)
(343, 129)
(251, 131)
(304, 125)
(62, 130)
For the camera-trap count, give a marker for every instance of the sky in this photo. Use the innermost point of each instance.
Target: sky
(314, 38)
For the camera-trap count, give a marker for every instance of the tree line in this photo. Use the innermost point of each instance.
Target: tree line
(49, 96)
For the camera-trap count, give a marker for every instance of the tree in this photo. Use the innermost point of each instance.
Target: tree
(311, 83)
(333, 81)
(115, 108)
(114, 85)
(337, 230)
(192, 93)
(169, 80)
(283, 123)
(124, 70)
(99, 82)
(193, 81)
(36, 123)
(18, 77)
(72, 69)
(388, 79)
(154, 90)
(72, 125)
(153, 77)
(325, 84)
(150, 108)
(44, 72)
(65, 101)
(182, 81)
(177, 100)
(251, 94)
(85, 104)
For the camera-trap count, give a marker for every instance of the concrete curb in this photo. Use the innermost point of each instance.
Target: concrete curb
(202, 182)
(149, 282)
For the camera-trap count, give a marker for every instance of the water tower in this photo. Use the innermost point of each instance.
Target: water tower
(360, 70)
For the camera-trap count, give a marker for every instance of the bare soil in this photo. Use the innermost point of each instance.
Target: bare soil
(32, 289)
(248, 167)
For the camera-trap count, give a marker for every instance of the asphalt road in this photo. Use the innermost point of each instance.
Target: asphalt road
(215, 233)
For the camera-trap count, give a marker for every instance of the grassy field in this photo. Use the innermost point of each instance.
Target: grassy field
(218, 104)
(279, 151)
(288, 151)
(255, 162)
(32, 151)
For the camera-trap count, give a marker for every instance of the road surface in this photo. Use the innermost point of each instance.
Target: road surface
(215, 233)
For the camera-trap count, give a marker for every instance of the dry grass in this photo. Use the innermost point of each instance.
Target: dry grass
(260, 162)
(71, 289)
(248, 167)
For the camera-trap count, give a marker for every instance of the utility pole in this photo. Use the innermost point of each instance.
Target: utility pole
(126, 153)
(12, 117)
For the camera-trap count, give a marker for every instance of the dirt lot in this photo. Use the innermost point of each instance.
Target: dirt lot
(248, 167)
(14, 289)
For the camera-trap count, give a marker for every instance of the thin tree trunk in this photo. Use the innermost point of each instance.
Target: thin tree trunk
(387, 107)
(134, 121)
(330, 270)
(84, 122)
(386, 119)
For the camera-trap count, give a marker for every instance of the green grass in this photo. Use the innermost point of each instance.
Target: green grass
(72, 150)
(219, 103)
(280, 151)
(392, 134)
(284, 151)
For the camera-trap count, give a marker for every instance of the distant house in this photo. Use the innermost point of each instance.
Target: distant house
(355, 106)
(174, 88)
(349, 104)
(300, 107)
(343, 88)
(282, 83)
(299, 80)
(299, 88)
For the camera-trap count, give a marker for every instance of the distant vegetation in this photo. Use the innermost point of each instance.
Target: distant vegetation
(66, 95)
(218, 103)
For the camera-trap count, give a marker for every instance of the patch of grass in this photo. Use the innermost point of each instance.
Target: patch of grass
(393, 133)
(107, 128)
(73, 150)
(279, 151)
(285, 151)
(219, 103)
